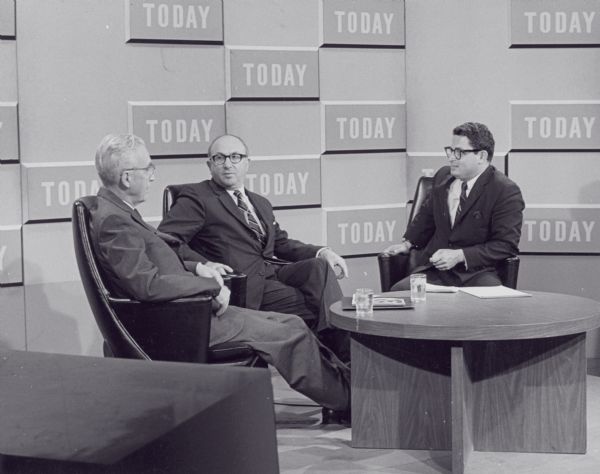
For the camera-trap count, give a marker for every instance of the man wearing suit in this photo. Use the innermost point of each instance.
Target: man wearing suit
(142, 265)
(233, 228)
(471, 220)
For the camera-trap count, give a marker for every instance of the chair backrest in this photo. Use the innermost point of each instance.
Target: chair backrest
(424, 186)
(170, 195)
(120, 342)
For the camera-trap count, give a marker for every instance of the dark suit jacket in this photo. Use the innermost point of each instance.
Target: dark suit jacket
(488, 229)
(206, 217)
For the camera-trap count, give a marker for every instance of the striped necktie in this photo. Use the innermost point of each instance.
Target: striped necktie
(250, 219)
(462, 201)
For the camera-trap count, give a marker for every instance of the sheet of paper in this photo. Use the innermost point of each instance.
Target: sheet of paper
(499, 291)
(431, 288)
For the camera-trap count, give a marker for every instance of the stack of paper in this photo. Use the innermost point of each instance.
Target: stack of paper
(431, 288)
(499, 291)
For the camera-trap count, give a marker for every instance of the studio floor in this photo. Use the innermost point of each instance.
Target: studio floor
(306, 446)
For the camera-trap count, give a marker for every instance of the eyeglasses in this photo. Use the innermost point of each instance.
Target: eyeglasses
(220, 158)
(457, 153)
(150, 169)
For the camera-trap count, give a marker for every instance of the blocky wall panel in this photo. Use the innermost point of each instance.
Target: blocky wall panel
(10, 190)
(7, 19)
(554, 23)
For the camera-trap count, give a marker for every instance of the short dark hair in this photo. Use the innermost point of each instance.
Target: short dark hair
(479, 135)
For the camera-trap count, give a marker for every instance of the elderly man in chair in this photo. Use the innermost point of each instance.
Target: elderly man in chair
(470, 221)
(234, 228)
(142, 265)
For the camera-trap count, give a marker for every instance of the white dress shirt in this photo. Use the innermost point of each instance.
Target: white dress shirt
(454, 194)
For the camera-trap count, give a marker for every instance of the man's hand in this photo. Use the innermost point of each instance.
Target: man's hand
(336, 262)
(220, 267)
(402, 247)
(208, 272)
(445, 259)
(222, 300)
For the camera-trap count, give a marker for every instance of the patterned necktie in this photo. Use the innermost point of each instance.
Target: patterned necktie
(250, 219)
(461, 202)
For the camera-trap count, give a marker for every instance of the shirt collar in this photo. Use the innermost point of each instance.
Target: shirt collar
(240, 189)
(128, 204)
(471, 182)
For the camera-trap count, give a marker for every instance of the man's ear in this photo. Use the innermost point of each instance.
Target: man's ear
(125, 180)
(484, 155)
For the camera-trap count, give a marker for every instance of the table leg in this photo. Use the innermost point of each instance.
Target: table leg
(462, 410)
(528, 395)
(516, 395)
(400, 393)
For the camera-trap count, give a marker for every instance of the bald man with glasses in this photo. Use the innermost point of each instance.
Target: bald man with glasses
(471, 220)
(235, 229)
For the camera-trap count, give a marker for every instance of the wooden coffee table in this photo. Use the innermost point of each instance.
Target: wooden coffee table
(461, 373)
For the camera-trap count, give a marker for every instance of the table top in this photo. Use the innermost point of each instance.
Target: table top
(460, 316)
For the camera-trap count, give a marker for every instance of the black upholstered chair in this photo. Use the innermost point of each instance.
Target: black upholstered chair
(176, 330)
(393, 268)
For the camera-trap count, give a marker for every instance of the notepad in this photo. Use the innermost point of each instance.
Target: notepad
(499, 291)
(381, 302)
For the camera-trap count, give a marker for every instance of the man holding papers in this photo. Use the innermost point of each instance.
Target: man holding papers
(470, 221)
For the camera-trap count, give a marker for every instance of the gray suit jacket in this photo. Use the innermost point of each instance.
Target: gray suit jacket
(142, 266)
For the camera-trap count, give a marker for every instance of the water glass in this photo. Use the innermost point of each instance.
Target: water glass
(363, 300)
(418, 286)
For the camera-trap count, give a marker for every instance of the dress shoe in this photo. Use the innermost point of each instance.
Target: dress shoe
(337, 417)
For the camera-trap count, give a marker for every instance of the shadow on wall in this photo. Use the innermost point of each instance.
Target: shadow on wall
(57, 316)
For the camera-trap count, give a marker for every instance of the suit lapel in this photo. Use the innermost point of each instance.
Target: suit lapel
(475, 193)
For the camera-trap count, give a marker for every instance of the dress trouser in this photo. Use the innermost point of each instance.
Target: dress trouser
(285, 342)
(445, 278)
(308, 288)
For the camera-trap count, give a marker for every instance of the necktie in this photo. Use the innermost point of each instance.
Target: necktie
(250, 219)
(461, 202)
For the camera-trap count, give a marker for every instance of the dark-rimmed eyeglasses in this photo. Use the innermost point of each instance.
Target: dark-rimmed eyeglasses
(220, 158)
(458, 153)
(150, 169)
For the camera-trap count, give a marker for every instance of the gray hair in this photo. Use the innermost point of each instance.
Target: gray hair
(112, 154)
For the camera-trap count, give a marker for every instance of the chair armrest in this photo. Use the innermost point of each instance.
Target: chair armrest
(508, 271)
(392, 268)
(236, 282)
(177, 330)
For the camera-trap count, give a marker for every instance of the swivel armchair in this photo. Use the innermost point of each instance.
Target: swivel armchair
(176, 330)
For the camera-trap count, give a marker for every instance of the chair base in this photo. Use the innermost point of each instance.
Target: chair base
(336, 417)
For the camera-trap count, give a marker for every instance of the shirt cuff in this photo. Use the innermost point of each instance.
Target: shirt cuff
(464, 259)
(321, 250)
